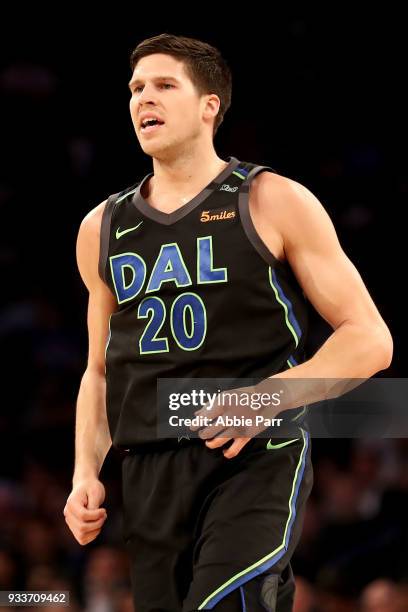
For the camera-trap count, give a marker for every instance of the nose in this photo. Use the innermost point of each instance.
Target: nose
(147, 96)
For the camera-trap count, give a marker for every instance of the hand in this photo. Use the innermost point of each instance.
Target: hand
(250, 422)
(231, 451)
(82, 513)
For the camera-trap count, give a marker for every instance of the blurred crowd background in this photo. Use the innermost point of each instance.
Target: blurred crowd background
(320, 98)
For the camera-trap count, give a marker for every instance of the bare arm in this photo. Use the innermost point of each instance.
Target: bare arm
(295, 226)
(92, 437)
(361, 343)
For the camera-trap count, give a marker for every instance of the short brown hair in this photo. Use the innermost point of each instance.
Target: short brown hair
(204, 64)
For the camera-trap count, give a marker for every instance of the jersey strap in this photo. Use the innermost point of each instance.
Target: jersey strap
(111, 203)
(105, 233)
(246, 220)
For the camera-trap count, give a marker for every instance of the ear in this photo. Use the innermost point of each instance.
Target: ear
(211, 106)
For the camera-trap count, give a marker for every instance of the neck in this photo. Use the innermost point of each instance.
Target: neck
(186, 172)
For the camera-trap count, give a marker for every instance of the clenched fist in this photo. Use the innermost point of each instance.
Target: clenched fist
(82, 513)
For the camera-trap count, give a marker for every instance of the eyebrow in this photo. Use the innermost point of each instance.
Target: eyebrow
(159, 78)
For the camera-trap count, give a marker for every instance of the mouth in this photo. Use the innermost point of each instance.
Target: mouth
(151, 125)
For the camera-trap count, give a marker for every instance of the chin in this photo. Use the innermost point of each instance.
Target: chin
(153, 151)
(159, 150)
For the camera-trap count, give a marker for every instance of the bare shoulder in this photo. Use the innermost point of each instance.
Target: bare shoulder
(289, 207)
(91, 223)
(272, 205)
(102, 303)
(275, 193)
(87, 247)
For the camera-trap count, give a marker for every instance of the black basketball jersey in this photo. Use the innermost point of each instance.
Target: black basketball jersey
(199, 295)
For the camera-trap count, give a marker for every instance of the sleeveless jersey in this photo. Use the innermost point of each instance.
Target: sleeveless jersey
(199, 295)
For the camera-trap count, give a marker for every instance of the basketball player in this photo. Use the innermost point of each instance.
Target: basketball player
(201, 270)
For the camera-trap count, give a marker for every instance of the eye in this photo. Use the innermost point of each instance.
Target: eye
(138, 88)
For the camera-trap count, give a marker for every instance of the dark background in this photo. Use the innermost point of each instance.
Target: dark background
(317, 95)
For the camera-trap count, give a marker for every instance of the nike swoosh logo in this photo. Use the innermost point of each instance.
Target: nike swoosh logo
(271, 446)
(125, 231)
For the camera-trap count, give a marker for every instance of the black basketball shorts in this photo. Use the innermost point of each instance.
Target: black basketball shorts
(204, 532)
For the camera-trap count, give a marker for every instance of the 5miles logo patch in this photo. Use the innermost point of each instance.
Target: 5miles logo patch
(219, 214)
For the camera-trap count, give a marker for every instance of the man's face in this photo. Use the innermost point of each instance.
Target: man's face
(160, 85)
